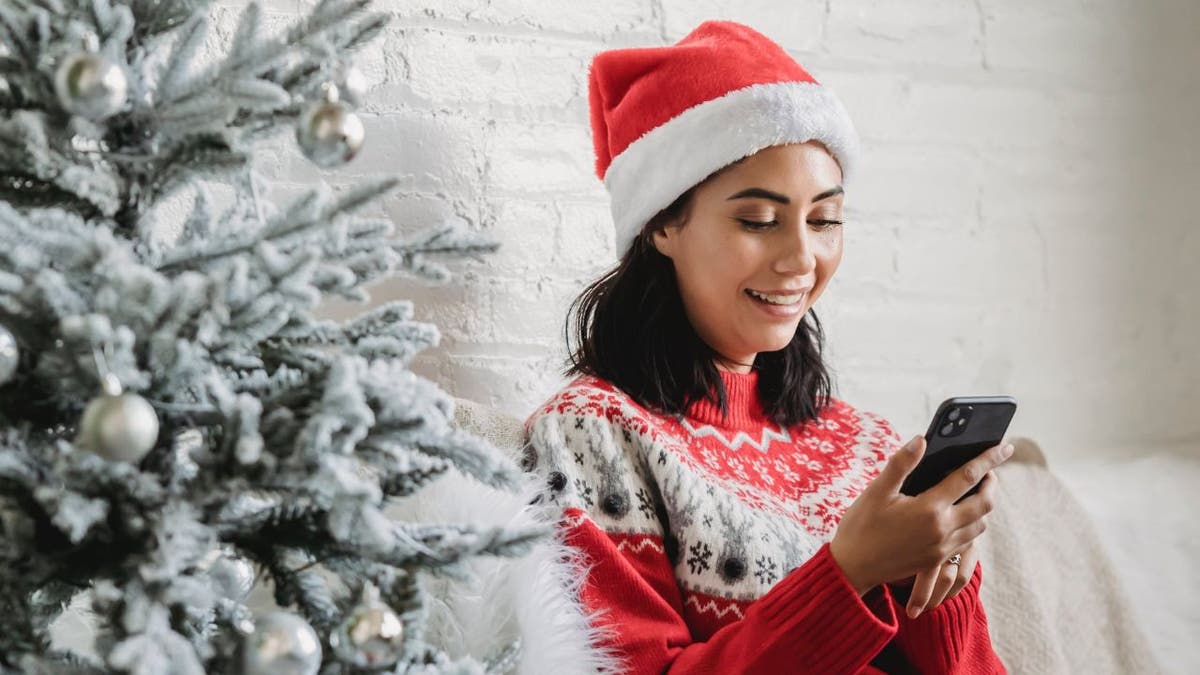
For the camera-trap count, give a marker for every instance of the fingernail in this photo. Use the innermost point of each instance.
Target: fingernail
(1008, 450)
(913, 612)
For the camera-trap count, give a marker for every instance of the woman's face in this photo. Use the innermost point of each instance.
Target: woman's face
(755, 249)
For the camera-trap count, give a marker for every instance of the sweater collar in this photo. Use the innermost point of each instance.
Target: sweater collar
(745, 410)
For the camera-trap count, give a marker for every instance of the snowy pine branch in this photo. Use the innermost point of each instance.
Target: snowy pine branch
(279, 440)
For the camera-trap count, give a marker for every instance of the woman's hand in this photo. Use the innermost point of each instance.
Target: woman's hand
(887, 535)
(936, 585)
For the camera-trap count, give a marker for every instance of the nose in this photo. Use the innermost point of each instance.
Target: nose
(795, 255)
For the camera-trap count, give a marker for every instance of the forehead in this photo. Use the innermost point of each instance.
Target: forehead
(794, 168)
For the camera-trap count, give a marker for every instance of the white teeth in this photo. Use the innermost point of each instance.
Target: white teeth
(777, 299)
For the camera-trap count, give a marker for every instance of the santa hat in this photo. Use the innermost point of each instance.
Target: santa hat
(665, 118)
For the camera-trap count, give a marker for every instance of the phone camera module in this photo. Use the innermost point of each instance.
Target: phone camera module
(955, 421)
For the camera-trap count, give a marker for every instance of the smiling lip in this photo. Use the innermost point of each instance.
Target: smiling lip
(795, 291)
(787, 312)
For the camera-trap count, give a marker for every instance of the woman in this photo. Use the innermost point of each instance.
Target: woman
(734, 516)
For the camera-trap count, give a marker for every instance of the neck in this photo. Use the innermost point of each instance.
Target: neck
(742, 366)
(744, 410)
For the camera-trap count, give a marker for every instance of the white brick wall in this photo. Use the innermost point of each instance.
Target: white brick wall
(1025, 221)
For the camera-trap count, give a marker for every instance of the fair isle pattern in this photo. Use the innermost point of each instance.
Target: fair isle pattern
(740, 438)
(730, 516)
(711, 607)
(639, 545)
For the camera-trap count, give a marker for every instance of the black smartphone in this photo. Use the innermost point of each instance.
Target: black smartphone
(962, 429)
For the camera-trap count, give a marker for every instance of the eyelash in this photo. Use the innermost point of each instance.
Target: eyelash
(761, 225)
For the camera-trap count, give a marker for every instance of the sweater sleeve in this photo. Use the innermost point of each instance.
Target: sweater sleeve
(952, 638)
(812, 620)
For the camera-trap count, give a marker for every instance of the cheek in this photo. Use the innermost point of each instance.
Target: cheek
(831, 254)
(827, 248)
(711, 276)
(724, 268)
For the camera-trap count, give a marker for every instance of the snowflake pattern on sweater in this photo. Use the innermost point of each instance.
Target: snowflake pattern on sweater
(712, 512)
(741, 508)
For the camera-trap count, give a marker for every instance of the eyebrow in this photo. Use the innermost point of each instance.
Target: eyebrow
(782, 199)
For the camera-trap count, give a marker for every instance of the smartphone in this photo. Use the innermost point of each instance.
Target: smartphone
(962, 429)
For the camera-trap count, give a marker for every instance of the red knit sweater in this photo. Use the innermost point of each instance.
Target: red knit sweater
(708, 538)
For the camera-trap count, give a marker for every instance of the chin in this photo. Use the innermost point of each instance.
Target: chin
(776, 343)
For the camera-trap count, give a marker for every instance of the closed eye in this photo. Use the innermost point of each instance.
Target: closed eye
(757, 224)
(822, 224)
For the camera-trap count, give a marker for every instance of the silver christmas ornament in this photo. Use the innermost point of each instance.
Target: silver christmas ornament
(231, 574)
(371, 636)
(90, 85)
(281, 644)
(118, 426)
(9, 355)
(328, 132)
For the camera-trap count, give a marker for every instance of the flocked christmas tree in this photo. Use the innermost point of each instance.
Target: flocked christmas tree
(175, 423)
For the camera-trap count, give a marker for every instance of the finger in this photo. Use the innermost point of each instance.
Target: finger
(947, 576)
(970, 559)
(970, 562)
(898, 466)
(962, 479)
(964, 577)
(922, 589)
(966, 535)
(976, 506)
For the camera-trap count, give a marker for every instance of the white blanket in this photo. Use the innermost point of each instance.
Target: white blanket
(1054, 599)
(1147, 511)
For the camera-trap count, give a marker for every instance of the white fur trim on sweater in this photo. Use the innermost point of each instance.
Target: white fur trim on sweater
(534, 597)
(661, 165)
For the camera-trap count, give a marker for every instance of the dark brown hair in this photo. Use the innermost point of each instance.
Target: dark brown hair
(630, 328)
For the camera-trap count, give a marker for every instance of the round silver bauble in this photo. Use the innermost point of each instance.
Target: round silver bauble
(281, 643)
(90, 85)
(120, 427)
(371, 636)
(10, 355)
(329, 133)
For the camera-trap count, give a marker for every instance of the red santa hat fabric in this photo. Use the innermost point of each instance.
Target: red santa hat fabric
(665, 118)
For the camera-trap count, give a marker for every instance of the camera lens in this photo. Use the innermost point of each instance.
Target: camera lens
(953, 414)
(947, 429)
